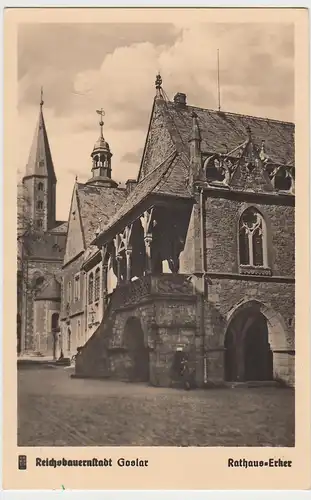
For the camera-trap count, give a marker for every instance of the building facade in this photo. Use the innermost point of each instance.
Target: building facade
(203, 250)
(92, 205)
(41, 245)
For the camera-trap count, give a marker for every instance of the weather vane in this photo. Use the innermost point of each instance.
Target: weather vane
(101, 112)
(41, 97)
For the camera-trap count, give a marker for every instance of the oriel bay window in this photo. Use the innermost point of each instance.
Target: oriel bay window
(252, 239)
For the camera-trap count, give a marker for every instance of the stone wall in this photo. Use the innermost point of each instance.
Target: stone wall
(44, 337)
(221, 226)
(35, 269)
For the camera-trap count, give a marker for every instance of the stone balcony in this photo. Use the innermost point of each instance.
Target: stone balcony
(150, 287)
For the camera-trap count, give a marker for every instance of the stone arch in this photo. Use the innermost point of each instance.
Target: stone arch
(244, 316)
(137, 350)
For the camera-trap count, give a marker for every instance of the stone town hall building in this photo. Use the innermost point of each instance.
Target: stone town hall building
(194, 258)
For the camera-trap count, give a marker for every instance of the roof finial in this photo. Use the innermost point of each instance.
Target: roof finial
(249, 132)
(101, 112)
(158, 85)
(195, 133)
(41, 97)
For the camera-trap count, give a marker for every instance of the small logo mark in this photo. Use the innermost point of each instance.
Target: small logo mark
(22, 462)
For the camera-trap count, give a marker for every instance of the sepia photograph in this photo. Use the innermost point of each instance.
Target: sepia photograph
(156, 234)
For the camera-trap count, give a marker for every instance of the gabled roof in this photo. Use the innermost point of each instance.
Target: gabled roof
(170, 178)
(40, 159)
(97, 204)
(52, 291)
(222, 132)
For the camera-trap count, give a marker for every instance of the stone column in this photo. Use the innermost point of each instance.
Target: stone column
(118, 259)
(128, 254)
(148, 242)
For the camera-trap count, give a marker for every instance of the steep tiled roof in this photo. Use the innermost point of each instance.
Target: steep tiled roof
(45, 246)
(223, 131)
(61, 227)
(169, 178)
(52, 291)
(40, 158)
(97, 205)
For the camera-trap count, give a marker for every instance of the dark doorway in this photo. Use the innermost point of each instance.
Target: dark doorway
(248, 355)
(257, 351)
(138, 352)
(180, 357)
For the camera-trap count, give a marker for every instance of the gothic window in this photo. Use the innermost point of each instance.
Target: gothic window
(77, 287)
(40, 204)
(90, 290)
(252, 239)
(69, 292)
(40, 186)
(39, 223)
(97, 283)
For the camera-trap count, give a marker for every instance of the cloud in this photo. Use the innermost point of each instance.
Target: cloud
(114, 67)
(133, 157)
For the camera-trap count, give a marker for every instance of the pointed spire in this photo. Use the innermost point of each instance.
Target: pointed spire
(40, 159)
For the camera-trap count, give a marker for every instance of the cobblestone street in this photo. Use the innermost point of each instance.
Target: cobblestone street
(55, 410)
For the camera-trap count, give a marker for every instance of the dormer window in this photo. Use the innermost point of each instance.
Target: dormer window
(282, 180)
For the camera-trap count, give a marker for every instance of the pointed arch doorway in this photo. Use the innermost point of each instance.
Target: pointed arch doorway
(248, 352)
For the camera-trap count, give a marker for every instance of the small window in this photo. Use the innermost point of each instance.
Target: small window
(41, 163)
(39, 223)
(40, 186)
(90, 290)
(97, 284)
(40, 204)
(77, 287)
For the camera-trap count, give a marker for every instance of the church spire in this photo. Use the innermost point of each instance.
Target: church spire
(40, 159)
(101, 156)
(40, 179)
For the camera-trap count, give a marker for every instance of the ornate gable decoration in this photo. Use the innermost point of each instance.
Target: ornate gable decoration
(248, 167)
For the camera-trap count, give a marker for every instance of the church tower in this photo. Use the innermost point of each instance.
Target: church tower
(101, 156)
(40, 180)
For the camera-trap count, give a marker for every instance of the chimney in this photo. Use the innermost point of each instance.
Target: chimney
(130, 185)
(180, 99)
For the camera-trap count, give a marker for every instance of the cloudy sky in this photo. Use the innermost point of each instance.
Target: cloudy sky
(83, 67)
